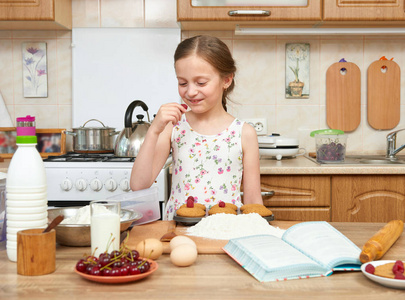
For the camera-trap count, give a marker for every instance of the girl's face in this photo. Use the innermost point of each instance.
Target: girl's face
(200, 85)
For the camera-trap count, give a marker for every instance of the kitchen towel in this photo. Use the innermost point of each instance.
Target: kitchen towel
(5, 120)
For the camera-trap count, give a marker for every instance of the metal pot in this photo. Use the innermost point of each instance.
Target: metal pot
(93, 139)
(130, 139)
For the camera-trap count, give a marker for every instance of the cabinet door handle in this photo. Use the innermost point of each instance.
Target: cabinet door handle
(233, 13)
(271, 193)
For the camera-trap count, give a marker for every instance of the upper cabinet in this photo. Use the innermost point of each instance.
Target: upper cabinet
(375, 11)
(226, 14)
(36, 14)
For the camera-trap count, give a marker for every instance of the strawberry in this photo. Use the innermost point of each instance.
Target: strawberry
(185, 106)
(399, 276)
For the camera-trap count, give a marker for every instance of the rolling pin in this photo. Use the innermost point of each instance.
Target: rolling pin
(379, 244)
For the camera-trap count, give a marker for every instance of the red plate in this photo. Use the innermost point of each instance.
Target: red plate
(121, 279)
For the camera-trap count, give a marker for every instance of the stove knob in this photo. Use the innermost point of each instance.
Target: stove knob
(111, 185)
(124, 185)
(81, 184)
(96, 184)
(66, 184)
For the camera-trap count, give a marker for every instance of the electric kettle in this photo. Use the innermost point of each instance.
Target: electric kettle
(130, 139)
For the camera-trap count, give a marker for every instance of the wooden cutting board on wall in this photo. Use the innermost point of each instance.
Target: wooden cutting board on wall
(383, 94)
(343, 96)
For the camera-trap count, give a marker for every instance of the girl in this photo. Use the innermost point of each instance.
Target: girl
(211, 149)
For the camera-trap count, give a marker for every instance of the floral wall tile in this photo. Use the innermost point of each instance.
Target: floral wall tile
(35, 73)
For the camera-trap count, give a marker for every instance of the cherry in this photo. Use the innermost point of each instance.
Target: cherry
(115, 272)
(124, 271)
(104, 260)
(221, 204)
(89, 268)
(133, 270)
(106, 272)
(115, 253)
(81, 266)
(133, 255)
(95, 271)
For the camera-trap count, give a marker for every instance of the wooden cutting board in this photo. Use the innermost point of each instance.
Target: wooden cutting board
(383, 94)
(158, 228)
(343, 96)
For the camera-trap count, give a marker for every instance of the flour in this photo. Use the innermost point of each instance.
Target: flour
(227, 226)
(83, 215)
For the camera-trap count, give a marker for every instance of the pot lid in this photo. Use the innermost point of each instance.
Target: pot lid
(93, 128)
(276, 141)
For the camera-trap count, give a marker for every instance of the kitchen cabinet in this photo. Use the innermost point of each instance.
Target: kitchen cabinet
(194, 17)
(36, 15)
(368, 198)
(298, 197)
(373, 11)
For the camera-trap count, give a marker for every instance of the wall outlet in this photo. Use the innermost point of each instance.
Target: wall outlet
(259, 124)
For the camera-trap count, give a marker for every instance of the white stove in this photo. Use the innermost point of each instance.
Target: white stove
(75, 179)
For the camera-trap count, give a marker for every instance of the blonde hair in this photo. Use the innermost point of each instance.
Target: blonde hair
(215, 52)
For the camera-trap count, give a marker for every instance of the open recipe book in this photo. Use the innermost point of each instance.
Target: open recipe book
(309, 249)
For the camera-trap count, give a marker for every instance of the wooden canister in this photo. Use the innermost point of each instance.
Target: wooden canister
(36, 252)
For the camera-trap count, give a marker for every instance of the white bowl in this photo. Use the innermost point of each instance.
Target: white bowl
(27, 217)
(27, 210)
(14, 230)
(388, 282)
(27, 224)
(26, 196)
(29, 203)
(12, 244)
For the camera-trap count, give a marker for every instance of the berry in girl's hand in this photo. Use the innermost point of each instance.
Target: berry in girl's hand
(185, 106)
(221, 204)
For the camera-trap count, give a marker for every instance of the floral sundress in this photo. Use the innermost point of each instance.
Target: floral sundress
(207, 167)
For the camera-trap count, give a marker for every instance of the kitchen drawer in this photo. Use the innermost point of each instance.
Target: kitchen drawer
(301, 213)
(296, 190)
(368, 198)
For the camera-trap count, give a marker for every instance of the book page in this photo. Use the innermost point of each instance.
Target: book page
(268, 251)
(323, 243)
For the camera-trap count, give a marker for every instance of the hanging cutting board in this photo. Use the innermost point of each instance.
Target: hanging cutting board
(383, 94)
(343, 100)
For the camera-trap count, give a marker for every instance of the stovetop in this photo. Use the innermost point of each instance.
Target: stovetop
(88, 157)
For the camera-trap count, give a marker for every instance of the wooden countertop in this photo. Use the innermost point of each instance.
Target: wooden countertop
(211, 277)
(304, 166)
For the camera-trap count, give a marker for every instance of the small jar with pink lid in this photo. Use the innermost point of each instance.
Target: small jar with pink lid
(26, 126)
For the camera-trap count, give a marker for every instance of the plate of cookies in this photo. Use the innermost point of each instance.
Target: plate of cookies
(389, 273)
(191, 213)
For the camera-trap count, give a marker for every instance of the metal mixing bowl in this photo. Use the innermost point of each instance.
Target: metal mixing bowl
(79, 234)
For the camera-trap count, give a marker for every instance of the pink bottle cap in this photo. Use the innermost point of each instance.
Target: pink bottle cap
(26, 126)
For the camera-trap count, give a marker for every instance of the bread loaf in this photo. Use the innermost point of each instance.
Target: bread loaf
(379, 244)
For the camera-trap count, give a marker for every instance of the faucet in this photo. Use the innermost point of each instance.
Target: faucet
(391, 144)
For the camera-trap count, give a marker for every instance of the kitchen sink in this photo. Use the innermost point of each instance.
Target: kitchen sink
(364, 160)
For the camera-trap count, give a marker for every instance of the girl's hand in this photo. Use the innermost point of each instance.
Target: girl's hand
(168, 113)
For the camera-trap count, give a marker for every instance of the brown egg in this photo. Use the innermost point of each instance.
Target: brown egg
(183, 255)
(150, 248)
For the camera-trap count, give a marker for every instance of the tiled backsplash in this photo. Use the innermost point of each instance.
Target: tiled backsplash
(260, 80)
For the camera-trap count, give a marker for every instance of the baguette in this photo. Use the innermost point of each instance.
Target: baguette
(379, 244)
